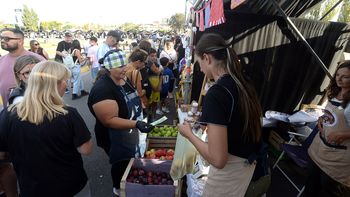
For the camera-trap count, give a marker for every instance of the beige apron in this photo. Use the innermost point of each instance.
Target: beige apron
(231, 181)
(335, 162)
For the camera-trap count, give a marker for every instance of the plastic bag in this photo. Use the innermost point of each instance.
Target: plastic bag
(184, 158)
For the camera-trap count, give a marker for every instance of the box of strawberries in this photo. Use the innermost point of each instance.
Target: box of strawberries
(149, 177)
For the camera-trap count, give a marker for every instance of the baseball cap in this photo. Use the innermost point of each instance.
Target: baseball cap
(116, 34)
(115, 60)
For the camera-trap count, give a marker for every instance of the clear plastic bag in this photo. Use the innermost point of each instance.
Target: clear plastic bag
(184, 158)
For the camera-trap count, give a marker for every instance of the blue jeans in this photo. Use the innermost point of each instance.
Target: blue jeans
(94, 71)
(76, 79)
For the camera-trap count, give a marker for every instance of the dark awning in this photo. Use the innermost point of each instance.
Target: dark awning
(293, 8)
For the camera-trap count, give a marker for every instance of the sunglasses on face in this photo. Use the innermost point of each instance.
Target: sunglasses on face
(6, 39)
(36, 44)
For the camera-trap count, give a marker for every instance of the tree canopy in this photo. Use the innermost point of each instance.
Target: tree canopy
(177, 22)
(30, 19)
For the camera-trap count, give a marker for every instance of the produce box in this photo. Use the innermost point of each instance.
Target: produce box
(162, 137)
(129, 187)
(160, 153)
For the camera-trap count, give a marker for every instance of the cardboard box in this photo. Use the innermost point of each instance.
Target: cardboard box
(137, 190)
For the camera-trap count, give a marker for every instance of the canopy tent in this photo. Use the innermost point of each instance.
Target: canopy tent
(279, 64)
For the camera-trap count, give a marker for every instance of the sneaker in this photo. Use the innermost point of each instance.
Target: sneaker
(67, 91)
(116, 191)
(159, 112)
(74, 96)
(84, 93)
(165, 109)
(170, 95)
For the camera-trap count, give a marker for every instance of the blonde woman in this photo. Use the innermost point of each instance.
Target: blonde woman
(45, 138)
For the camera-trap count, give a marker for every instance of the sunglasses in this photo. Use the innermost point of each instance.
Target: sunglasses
(36, 44)
(6, 39)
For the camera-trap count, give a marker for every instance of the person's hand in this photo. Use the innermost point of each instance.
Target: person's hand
(64, 53)
(336, 137)
(320, 125)
(144, 127)
(185, 129)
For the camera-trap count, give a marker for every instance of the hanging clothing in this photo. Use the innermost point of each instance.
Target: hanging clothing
(217, 16)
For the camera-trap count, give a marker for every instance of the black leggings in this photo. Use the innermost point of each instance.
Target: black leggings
(117, 172)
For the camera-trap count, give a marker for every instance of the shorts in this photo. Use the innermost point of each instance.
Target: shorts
(155, 82)
(154, 98)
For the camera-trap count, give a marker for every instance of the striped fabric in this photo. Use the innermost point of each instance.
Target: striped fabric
(115, 60)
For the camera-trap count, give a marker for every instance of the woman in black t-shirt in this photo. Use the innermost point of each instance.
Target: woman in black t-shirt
(231, 114)
(117, 108)
(45, 138)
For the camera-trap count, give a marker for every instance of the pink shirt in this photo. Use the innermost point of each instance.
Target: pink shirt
(7, 76)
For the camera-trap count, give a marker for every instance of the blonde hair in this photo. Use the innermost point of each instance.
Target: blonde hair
(41, 99)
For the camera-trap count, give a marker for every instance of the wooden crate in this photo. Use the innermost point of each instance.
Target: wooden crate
(161, 142)
(137, 190)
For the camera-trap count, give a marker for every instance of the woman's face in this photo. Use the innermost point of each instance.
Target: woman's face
(118, 73)
(342, 78)
(204, 65)
(62, 86)
(35, 45)
(23, 74)
(140, 64)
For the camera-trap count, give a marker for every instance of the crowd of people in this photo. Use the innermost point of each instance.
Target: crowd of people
(36, 124)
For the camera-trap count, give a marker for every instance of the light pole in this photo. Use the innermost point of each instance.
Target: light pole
(18, 15)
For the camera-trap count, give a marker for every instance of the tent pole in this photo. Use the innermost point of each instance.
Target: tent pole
(330, 10)
(301, 37)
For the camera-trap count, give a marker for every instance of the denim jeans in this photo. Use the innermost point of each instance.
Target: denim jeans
(76, 79)
(94, 71)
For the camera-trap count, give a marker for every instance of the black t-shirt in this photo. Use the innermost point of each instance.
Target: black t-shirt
(105, 89)
(45, 156)
(217, 107)
(63, 45)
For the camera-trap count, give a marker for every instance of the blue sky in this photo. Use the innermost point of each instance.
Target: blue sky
(96, 11)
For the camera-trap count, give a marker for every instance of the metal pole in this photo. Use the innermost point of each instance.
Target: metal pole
(301, 37)
(330, 10)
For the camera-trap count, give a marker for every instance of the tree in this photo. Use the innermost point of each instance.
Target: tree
(177, 22)
(30, 19)
(51, 25)
(321, 9)
(345, 12)
(129, 27)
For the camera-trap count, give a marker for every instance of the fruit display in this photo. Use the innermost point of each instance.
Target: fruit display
(141, 176)
(162, 154)
(164, 131)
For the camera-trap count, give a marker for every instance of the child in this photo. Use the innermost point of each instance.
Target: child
(167, 77)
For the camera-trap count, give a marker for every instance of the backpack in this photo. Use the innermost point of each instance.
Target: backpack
(68, 60)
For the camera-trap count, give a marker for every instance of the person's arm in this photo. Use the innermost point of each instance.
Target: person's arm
(46, 54)
(86, 148)
(215, 151)
(60, 49)
(107, 113)
(78, 54)
(338, 137)
(139, 84)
